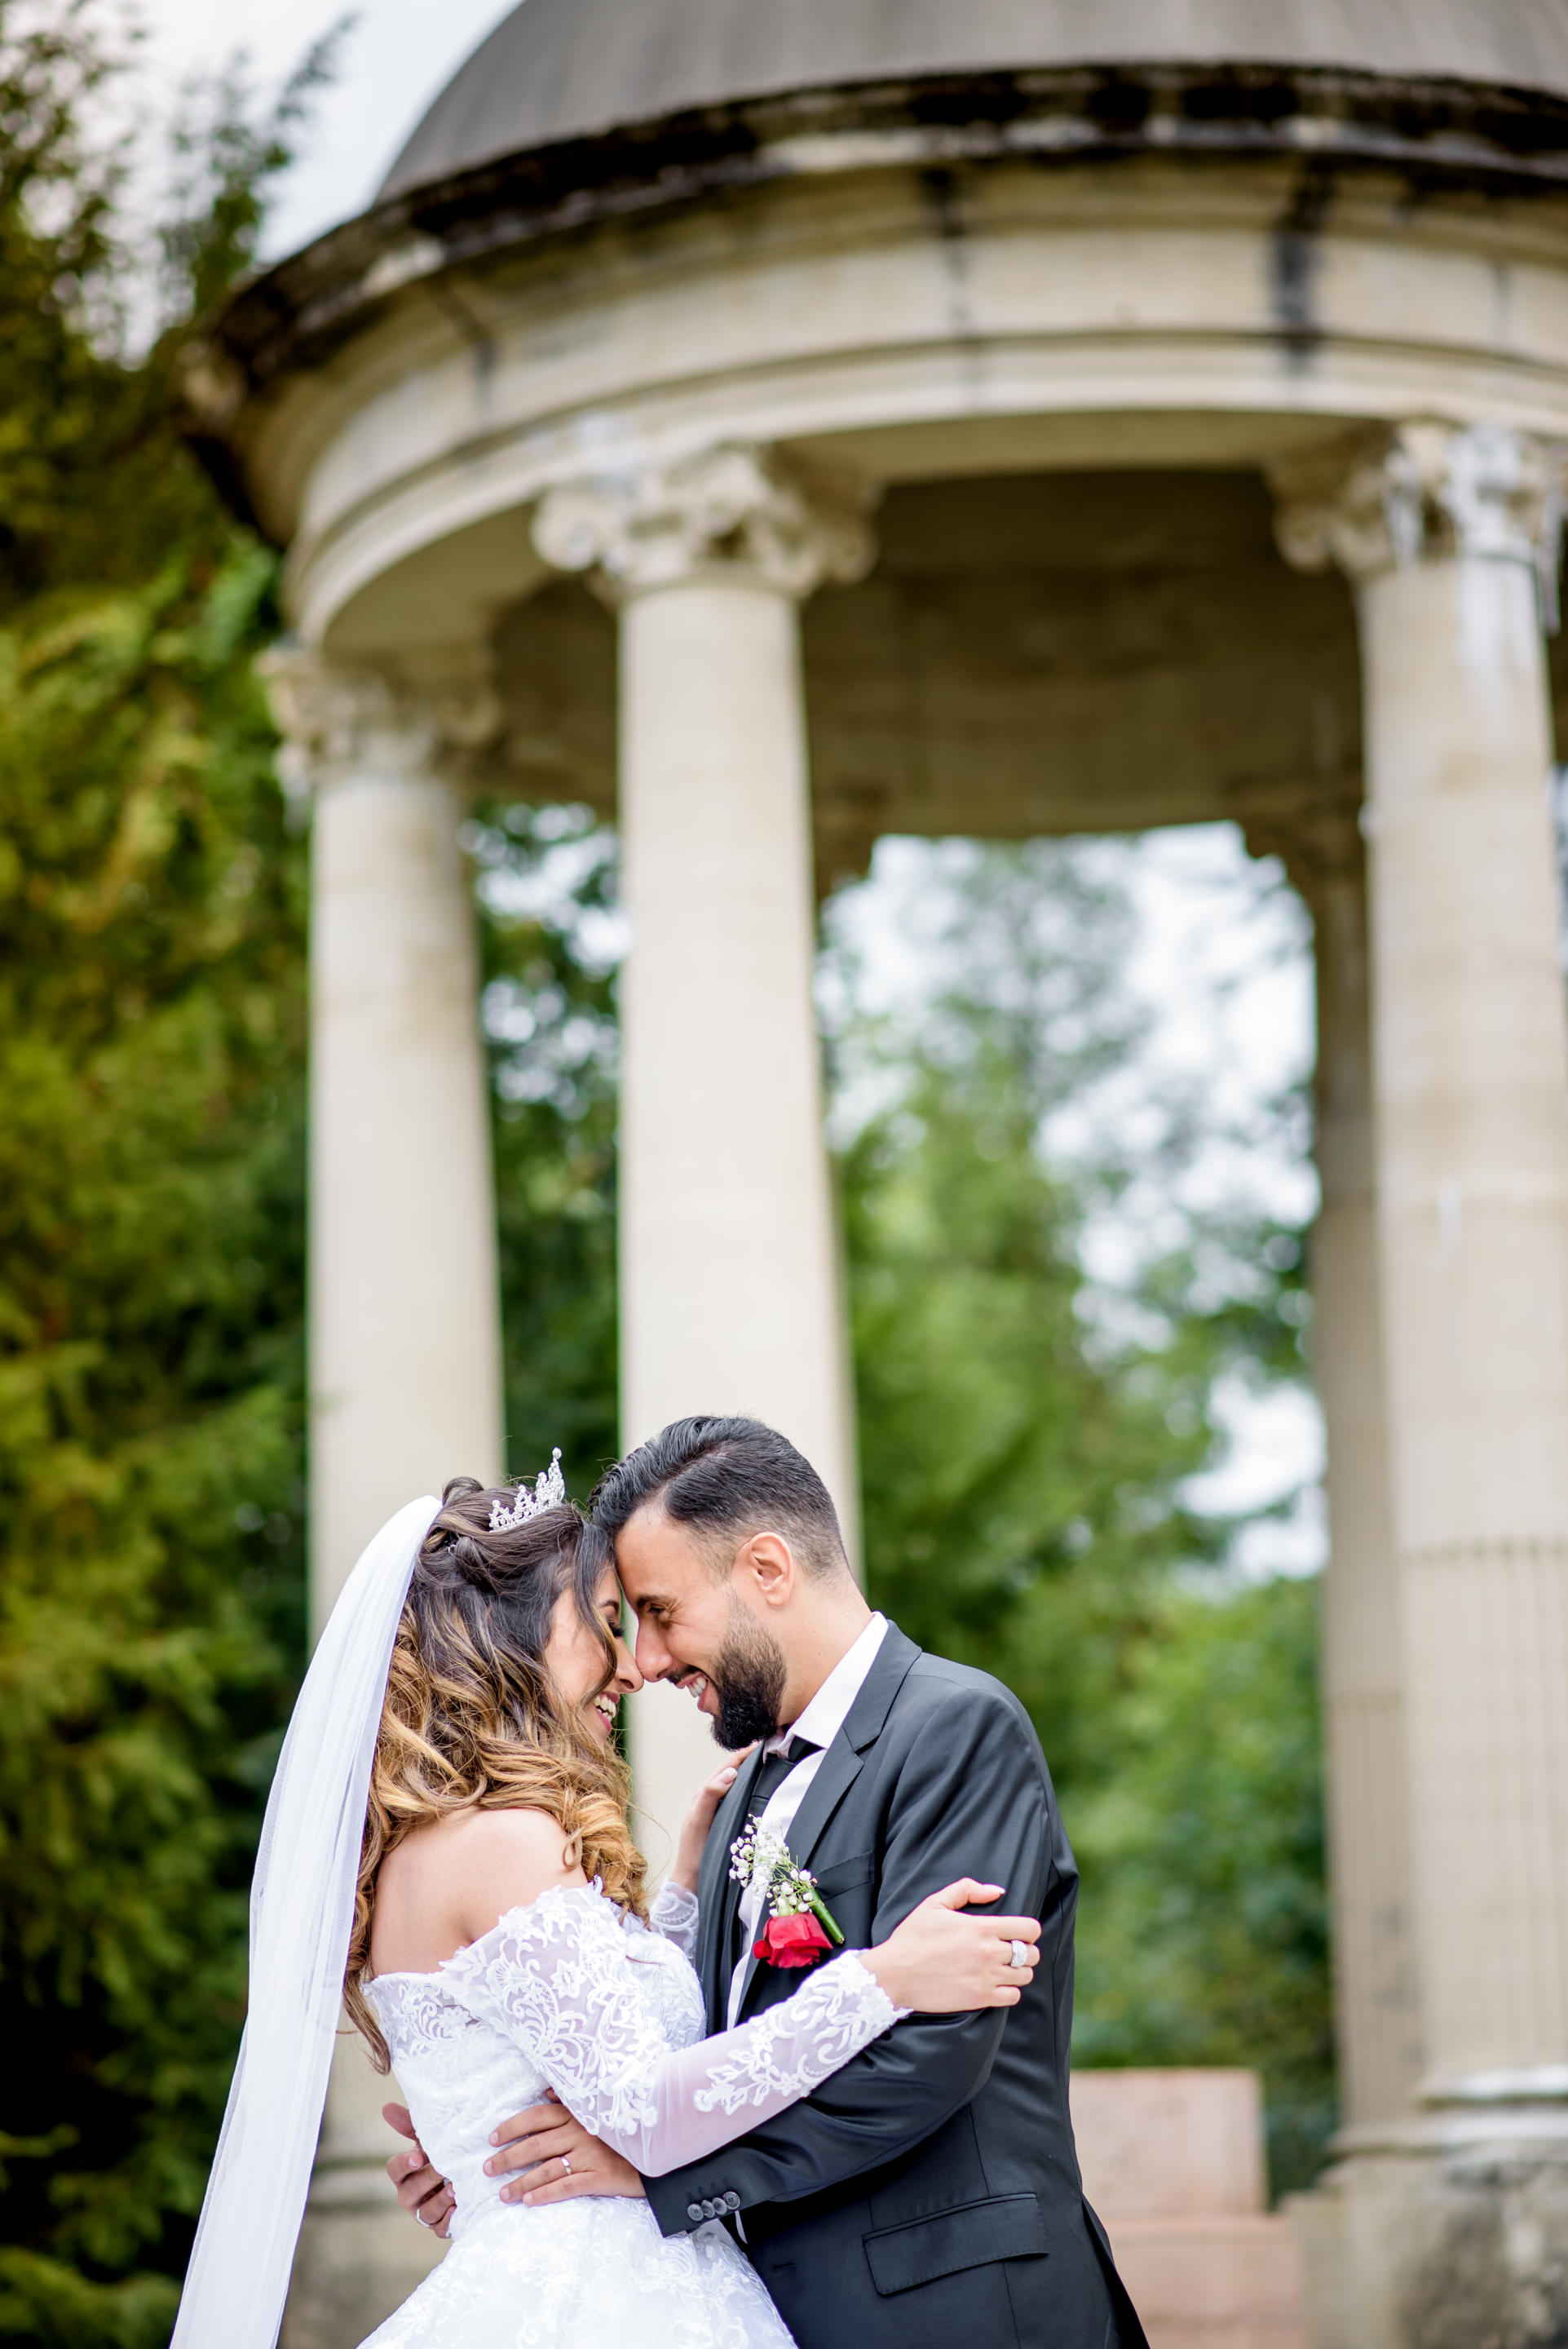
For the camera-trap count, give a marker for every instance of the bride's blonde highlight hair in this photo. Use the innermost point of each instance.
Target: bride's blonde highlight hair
(472, 1718)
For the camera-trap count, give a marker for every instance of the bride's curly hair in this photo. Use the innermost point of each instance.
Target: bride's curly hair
(472, 1718)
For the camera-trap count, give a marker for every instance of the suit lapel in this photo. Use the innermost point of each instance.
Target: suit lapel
(844, 1759)
(835, 1773)
(842, 1763)
(720, 1894)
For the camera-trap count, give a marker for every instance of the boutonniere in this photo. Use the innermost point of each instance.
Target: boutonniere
(798, 1927)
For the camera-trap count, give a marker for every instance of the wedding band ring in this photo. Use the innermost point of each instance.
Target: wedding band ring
(1019, 1958)
(566, 2164)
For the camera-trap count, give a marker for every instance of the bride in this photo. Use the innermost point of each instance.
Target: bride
(446, 1852)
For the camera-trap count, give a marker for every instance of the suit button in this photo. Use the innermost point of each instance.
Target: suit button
(710, 2209)
(732, 2201)
(695, 2210)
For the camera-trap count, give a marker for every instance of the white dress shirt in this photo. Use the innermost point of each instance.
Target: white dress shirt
(820, 1724)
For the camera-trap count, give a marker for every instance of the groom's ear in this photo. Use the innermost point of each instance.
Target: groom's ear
(765, 1568)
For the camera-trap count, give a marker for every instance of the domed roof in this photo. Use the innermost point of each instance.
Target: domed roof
(562, 69)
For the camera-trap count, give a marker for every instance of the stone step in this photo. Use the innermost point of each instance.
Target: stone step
(1213, 2284)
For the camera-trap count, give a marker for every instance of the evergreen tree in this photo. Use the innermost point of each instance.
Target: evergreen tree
(150, 1274)
(152, 1206)
(150, 1301)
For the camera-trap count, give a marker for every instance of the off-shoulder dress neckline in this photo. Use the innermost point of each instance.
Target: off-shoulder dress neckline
(596, 1885)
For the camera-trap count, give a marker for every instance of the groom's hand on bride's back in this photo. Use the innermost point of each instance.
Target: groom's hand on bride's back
(555, 2158)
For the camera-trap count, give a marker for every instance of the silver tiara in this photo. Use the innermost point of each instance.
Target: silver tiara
(549, 1493)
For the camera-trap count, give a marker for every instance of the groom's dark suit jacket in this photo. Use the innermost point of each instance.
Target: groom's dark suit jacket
(928, 2195)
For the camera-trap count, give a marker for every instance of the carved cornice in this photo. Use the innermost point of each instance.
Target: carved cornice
(338, 718)
(738, 512)
(1444, 133)
(1425, 492)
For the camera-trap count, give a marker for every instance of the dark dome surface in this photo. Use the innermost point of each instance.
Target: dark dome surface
(559, 69)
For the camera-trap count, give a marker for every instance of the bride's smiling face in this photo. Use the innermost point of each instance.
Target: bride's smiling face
(576, 1660)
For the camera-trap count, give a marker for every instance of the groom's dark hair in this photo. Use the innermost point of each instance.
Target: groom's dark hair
(726, 1478)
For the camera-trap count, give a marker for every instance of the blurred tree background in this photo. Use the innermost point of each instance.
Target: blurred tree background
(150, 1191)
(1029, 1434)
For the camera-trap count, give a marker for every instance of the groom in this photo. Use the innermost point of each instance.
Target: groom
(930, 2190)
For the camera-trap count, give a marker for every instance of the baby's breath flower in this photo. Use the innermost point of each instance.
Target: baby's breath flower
(761, 1857)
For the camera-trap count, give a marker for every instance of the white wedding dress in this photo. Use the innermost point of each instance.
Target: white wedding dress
(568, 1993)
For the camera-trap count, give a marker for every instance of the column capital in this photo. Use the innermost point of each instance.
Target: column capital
(1313, 825)
(1420, 492)
(339, 716)
(736, 512)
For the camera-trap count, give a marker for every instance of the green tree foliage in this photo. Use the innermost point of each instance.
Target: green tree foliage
(549, 941)
(150, 1274)
(96, 488)
(1025, 1449)
(150, 1411)
(1205, 1934)
(56, 398)
(1022, 1480)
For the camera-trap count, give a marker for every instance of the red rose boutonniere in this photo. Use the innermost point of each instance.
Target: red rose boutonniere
(798, 1927)
(791, 1941)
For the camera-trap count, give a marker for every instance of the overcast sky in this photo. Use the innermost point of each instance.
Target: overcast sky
(395, 58)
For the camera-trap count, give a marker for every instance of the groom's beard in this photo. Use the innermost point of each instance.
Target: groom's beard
(748, 1683)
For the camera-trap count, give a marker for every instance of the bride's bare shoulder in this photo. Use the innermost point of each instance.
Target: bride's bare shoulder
(448, 1883)
(504, 1859)
(526, 1837)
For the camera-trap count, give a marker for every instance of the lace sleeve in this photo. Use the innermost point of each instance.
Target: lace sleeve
(674, 1914)
(555, 1977)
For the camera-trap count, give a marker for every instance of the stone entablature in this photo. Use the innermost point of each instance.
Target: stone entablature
(1501, 135)
(880, 322)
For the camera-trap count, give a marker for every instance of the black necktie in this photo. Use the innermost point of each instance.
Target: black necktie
(775, 1769)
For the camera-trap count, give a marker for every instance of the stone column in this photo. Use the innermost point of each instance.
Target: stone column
(1376, 2017)
(1450, 535)
(405, 1324)
(728, 1256)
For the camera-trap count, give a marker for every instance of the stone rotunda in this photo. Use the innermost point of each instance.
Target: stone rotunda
(781, 426)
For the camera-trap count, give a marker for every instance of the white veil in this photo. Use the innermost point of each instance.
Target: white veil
(301, 1909)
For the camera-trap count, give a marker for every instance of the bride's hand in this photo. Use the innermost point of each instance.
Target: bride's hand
(423, 2192)
(940, 1962)
(698, 1821)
